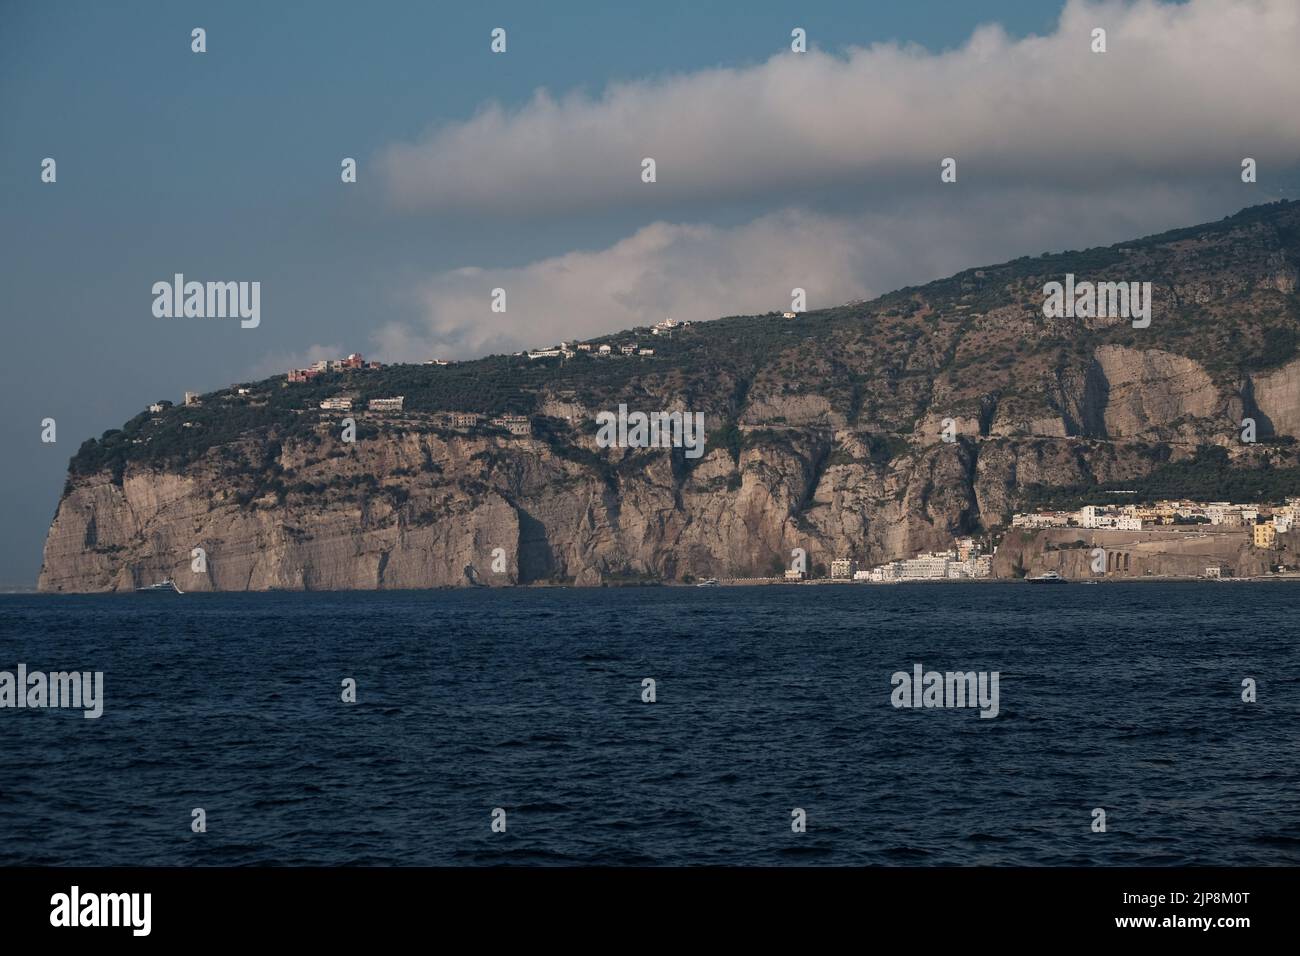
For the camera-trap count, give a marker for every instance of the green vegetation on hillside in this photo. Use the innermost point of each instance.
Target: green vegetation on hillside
(1208, 476)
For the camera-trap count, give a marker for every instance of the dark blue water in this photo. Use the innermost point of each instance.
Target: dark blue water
(1125, 697)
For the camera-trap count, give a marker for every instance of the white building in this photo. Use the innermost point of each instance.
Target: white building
(1041, 519)
(843, 568)
(1216, 510)
(337, 404)
(925, 567)
(514, 424)
(387, 404)
(1097, 517)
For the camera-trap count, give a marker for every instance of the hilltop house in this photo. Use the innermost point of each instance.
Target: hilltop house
(353, 361)
(514, 424)
(463, 419)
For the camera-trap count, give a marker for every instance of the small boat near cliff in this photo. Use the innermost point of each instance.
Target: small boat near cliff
(166, 584)
(1047, 577)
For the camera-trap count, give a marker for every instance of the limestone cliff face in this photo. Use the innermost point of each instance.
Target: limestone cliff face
(108, 537)
(1141, 391)
(1276, 398)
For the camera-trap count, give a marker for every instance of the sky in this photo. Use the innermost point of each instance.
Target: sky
(523, 169)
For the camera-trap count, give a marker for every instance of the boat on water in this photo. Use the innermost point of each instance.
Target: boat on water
(708, 583)
(1047, 577)
(166, 584)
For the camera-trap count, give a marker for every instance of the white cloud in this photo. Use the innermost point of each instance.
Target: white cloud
(1183, 89)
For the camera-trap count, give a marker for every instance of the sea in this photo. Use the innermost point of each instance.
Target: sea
(519, 727)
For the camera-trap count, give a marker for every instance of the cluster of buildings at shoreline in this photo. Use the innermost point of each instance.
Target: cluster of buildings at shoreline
(1264, 521)
(964, 560)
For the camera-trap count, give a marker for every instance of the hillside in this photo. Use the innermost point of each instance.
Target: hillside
(823, 433)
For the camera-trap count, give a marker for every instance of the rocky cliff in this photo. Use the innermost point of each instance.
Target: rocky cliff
(874, 430)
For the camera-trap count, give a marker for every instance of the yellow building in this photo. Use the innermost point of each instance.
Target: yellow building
(1265, 534)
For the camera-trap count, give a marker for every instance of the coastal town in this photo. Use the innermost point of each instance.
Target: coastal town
(963, 560)
(1263, 520)
(1215, 540)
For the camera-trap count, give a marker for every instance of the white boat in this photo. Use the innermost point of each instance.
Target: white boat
(1048, 577)
(166, 584)
(708, 583)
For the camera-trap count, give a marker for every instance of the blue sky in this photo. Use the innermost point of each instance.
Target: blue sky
(225, 166)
